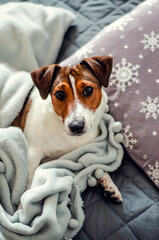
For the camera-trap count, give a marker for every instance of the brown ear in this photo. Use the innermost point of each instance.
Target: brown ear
(43, 78)
(101, 67)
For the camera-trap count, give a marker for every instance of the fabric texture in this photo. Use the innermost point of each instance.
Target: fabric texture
(31, 35)
(48, 208)
(133, 41)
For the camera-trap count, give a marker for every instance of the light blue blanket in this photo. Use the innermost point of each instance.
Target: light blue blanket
(52, 208)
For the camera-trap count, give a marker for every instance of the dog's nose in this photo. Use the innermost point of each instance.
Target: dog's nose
(77, 127)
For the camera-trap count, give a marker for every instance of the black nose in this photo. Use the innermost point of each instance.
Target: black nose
(76, 127)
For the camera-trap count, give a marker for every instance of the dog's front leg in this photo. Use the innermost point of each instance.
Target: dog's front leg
(111, 192)
(34, 158)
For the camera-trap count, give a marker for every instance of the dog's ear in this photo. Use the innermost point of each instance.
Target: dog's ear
(43, 78)
(101, 67)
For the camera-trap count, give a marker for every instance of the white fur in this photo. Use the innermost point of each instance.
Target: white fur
(48, 136)
(82, 113)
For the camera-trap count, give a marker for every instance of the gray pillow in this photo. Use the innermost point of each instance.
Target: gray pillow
(133, 91)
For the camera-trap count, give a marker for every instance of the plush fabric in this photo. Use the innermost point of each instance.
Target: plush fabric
(54, 198)
(133, 41)
(52, 208)
(31, 35)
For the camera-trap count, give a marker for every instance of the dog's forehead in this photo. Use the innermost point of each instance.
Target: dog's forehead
(78, 72)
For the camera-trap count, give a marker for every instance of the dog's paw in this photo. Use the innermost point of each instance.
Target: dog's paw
(111, 192)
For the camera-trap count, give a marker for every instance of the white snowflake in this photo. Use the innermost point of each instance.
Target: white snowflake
(126, 47)
(149, 70)
(129, 140)
(124, 74)
(119, 24)
(151, 41)
(153, 172)
(116, 104)
(85, 51)
(125, 115)
(140, 56)
(154, 133)
(137, 92)
(145, 156)
(157, 80)
(150, 107)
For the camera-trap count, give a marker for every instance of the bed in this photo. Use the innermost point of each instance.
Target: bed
(137, 217)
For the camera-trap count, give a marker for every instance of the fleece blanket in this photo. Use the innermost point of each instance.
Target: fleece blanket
(52, 208)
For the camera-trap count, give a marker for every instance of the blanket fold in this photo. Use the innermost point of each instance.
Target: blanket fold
(13, 164)
(31, 34)
(52, 208)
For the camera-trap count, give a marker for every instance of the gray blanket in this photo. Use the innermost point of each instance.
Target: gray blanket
(52, 208)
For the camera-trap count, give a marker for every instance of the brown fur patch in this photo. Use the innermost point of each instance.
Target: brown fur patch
(62, 83)
(83, 78)
(21, 118)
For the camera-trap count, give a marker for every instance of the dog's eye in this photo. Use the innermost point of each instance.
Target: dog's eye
(88, 91)
(60, 95)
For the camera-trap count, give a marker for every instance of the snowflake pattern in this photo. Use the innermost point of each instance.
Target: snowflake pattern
(129, 139)
(119, 24)
(153, 172)
(125, 115)
(149, 70)
(150, 107)
(126, 47)
(151, 41)
(124, 74)
(145, 156)
(116, 104)
(137, 92)
(85, 51)
(157, 80)
(154, 133)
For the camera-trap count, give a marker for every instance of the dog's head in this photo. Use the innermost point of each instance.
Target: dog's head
(76, 91)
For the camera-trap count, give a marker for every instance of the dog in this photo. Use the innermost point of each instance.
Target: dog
(63, 112)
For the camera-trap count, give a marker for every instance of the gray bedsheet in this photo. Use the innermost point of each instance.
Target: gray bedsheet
(137, 218)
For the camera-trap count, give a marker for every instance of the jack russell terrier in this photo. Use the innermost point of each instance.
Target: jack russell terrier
(67, 112)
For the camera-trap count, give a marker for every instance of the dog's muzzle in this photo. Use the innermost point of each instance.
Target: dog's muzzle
(77, 127)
